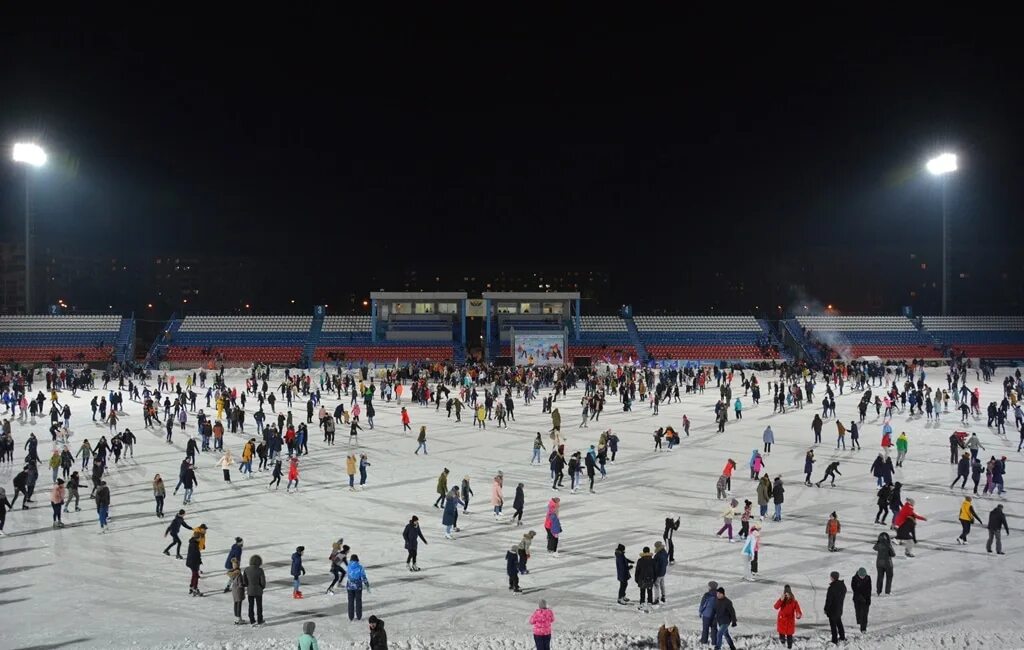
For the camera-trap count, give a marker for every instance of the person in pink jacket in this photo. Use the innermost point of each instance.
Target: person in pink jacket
(541, 621)
(497, 499)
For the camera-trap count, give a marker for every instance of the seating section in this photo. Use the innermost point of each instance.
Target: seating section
(888, 337)
(291, 355)
(347, 324)
(385, 353)
(240, 339)
(991, 337)
(706, 338)
(69, 338)
(601, 324)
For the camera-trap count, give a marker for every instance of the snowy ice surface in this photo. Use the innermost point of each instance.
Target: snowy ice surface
(75, 588)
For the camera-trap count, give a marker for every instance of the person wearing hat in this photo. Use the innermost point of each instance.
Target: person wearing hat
(725, 617)
(644, 576)
(706, 609)
(234, 554)
(622, 566)
(307, 641)
(789, 612)
(834, 598)
(512, 569)
(378, 637)
(194, 560)
(412, 536)
(541, 620)
(442, 488)
(860, 585)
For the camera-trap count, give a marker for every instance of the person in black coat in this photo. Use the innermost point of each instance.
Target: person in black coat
(670, 527)
(622, 567)
(963, 471)
(834, 598)
(860, 585)
(644, 576)
(173, 529)
(378, 637)
(996, 525)
(412, 536)
(194, 560)
(725, 617)
(512, 569)
(518, 504)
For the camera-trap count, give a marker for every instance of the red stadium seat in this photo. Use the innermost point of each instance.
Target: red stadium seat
(35, 354)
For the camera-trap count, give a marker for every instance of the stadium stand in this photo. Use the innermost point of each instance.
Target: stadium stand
(64, 338)
(887, 337)
(725, 338)
(348, 338)
(239, 339)
(990, 337)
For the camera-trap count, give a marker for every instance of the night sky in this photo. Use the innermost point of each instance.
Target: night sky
(701, 161)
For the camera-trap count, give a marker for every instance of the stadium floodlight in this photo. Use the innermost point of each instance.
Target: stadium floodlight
(29, 153)
(942, 166)
(944, 163)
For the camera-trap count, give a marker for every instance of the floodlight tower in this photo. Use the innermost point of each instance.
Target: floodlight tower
(33, 156)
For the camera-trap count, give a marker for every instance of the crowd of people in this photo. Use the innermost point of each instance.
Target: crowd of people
(280, 438)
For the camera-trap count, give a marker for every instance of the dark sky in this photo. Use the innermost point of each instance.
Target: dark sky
(658, 148)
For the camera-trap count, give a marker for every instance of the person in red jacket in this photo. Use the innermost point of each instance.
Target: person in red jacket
(730, 465)
(906, 524)
(405, 420)
(293, 474)
(789, 612)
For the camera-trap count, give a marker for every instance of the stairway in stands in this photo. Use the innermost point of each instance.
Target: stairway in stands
(125, 345)
(797, 339)
(159, 348)
(316, 328)
(634, 338)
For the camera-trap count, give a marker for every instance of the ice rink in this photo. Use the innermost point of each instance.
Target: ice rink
(76, 588)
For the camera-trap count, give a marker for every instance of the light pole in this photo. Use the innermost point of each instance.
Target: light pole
(34, 156)
(942, 166)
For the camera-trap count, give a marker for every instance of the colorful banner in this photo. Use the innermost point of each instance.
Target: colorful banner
(539, 349)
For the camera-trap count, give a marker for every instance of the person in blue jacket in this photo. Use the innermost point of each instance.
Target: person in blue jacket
(356, 581)
(706, 610)
(622, 567)
(512, 569)
(297, 570)
(660, 569)
(450, 518)
(234, 554)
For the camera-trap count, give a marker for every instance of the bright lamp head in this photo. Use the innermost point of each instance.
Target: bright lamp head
(942, 164)
(30, 154)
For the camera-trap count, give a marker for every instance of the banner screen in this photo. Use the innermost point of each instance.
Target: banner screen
(532, 349)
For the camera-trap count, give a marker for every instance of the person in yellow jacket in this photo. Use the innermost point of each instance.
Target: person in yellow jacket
(248, 451)
(967, 517)
(200, 534)
(350, 469)
(481, 412)
(220, 408)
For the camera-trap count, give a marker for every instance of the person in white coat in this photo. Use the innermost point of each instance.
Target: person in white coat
(769, 439)
(226, 462)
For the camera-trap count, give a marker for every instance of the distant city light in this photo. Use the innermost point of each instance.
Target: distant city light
(30, 154)
(942, 164)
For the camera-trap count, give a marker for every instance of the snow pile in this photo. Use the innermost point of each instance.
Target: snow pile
(955, 638)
